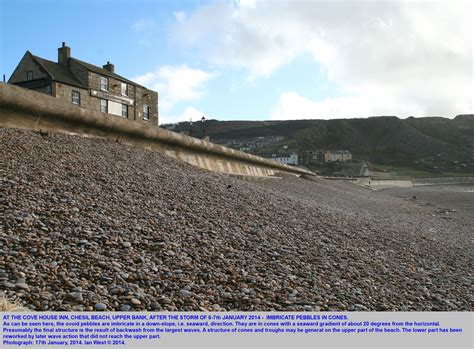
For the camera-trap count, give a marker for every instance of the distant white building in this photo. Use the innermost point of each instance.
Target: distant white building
(337, 155)
(289, 159)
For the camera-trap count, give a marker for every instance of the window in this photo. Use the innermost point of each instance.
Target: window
(29, 75)
(124, 89)
(125, 110)
(76, 97)
(104, 84)
(103, 106)
(146, 112)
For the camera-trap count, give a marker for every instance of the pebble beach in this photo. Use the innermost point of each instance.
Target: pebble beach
(90, 224)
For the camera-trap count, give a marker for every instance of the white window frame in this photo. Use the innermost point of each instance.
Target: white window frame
(124, 108)
(75, 101)
(146, 112)
(106, 106)
(102, 80)
(29, 75)
(124, 89)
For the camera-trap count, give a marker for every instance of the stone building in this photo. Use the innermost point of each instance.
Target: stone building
(311, 157)
(87, 86)
(337, 155)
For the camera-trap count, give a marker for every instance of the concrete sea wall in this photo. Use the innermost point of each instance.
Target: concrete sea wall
(30, 110)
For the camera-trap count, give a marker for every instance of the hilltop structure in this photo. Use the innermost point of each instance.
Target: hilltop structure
(87, 86)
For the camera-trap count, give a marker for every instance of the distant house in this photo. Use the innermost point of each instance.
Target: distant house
(307, 157)
(246, 148)
(286, 159)
(337, 155)
(87, 86)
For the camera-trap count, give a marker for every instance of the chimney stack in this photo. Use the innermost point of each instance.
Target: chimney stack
(64, 53)
(109, 66)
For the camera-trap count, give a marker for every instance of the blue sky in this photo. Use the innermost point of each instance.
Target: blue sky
(257, 60)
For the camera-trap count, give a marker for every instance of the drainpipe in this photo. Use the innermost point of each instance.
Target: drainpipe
(136, 111)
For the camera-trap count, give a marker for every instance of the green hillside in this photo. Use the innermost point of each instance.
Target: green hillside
(432, 144)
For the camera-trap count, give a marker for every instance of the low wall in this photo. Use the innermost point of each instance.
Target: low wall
(27, 109)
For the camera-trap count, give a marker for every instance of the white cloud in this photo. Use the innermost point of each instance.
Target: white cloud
(175, 84)
(189, 113)
(291, 105)
(415, 54)
(180, 16)
(145, 79)
(192, 114)
(246, 3)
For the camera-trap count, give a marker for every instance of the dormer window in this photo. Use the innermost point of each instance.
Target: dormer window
(104, 84)
(29, 75)
(124, 89)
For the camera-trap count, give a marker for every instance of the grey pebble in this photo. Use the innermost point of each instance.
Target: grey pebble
(100, 306)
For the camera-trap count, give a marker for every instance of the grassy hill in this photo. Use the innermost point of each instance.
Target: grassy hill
(432, 144)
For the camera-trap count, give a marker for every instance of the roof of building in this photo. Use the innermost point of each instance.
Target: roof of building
(103, 71)
(58, 72)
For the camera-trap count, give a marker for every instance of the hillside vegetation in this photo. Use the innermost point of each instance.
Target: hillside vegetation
(433, 144)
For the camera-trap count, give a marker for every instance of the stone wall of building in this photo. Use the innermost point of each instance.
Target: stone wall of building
(140, 96)
(148, 97)
(64, 93)
(95, 105)
(114, 88)
(27, 64)
(113, 93)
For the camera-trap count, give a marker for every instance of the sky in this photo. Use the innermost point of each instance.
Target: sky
(264, 60)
